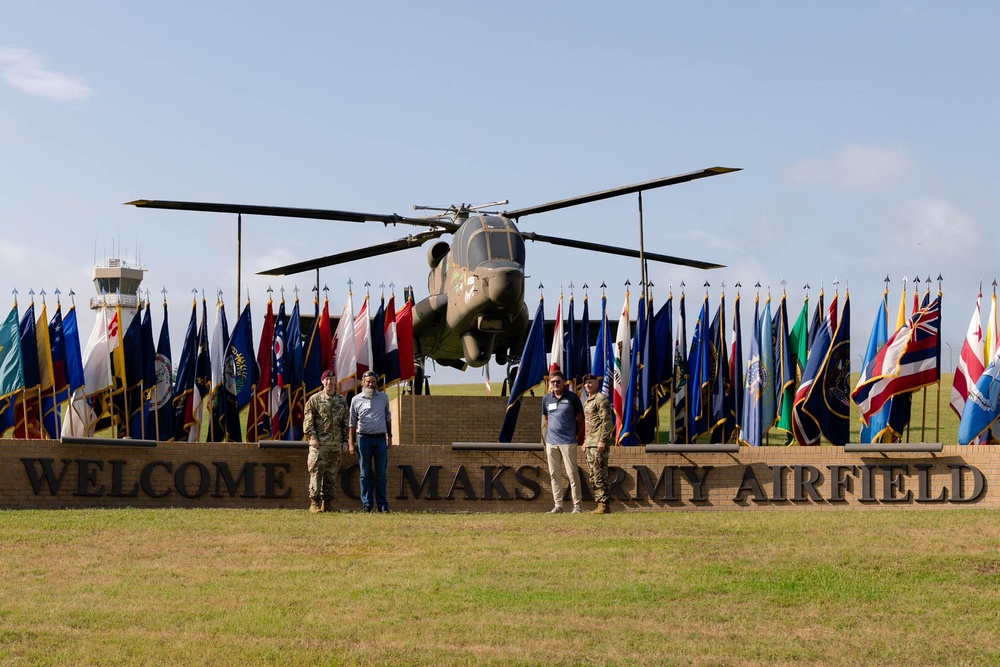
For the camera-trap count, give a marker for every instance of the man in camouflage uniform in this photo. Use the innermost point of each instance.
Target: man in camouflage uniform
(599, 428)
(325, 425)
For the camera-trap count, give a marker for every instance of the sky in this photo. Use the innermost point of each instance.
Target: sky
(863, 131)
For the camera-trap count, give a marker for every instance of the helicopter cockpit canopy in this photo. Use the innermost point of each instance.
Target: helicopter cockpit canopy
(493, 239)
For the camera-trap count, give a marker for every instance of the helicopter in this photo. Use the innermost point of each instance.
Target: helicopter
(475, 306)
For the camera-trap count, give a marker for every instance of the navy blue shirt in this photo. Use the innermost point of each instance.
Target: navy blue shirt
(562, 414)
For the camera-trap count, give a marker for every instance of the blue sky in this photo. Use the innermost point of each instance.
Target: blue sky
(864, 130)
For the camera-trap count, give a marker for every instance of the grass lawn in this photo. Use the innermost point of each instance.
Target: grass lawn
(282, 587)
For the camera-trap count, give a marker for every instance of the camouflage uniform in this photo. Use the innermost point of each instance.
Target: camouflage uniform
(326, 420)
(599, 427)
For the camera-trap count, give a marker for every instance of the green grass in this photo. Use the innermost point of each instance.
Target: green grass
(235, 587)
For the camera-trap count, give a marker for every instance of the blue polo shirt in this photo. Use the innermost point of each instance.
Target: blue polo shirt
(562, 414)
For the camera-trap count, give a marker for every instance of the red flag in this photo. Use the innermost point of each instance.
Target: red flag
(259, 424)
(404, 340)
(326, 338)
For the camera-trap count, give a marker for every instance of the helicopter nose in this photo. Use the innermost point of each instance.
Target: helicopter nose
(506, 287)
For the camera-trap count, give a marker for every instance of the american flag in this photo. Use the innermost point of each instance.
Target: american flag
(909, 360)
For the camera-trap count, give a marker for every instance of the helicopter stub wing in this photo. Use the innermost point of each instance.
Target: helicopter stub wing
(411, 241)
(615, 250)
(288, 212)
(624, 190)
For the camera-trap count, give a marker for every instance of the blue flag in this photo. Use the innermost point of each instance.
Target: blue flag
(604, 356)
(982, 407)
(720, 413)
(530, 372)
(378, 341)
(699, 382)
(755, 387)
(736, 368)
(184, 385)
(161, 415)
(630, 410)
(582, 362)
(241, 375)
(657, 371)
(768, 399)
(294, 369)
(680, 430)
(570, 369)
(878, 337)
(829, 401)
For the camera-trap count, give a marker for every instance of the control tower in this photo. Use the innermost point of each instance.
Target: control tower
(117, 283)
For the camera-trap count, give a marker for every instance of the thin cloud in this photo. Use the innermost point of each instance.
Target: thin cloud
(936, 226)
(27, 72)
(855, 168)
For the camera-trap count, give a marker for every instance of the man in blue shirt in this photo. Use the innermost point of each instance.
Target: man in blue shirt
(371, 428)
(562, 433)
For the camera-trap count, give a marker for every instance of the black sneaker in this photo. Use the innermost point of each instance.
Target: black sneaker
(367, 508)
(383, 510)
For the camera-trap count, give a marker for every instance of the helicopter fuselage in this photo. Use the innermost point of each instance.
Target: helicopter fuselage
(475, 306)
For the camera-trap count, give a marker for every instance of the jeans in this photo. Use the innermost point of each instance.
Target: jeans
(373, 449)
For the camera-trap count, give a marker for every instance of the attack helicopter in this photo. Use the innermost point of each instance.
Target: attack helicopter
(475, 306)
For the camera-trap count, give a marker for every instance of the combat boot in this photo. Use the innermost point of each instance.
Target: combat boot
(602, 508)
(328, 505)
(315, 506)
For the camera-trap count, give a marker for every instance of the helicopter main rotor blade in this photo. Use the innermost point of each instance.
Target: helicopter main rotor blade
(624, 252)
(617, 192)
(287, 212)
(352, 255)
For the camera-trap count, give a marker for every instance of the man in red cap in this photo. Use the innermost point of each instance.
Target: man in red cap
(325, 425)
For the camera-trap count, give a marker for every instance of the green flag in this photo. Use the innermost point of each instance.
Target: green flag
(11, 370)
(798, 349)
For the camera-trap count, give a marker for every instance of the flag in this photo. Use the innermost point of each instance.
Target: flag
(241, 375)
(203, 378)
(570, 369)
(877, 422)
(161, 415)
(908, 361)
(768, 400)
(530, 371)
(806, 429)
(131, 396)
(622, 364)
(603, 352)
(736, 380)
(378, 341)
(259, 416)
(363, 340)
(295, 372)
(185, 423)
(313, 362)
(391, 343)
(11, 370)
(630, 406)
(991, 343)
(217, 353)
(345, 351)
(278, 400)
(404, 340)
(28, 406)
(89, 399)
(581, 339)
(827, 402)
(658, 370)
(784, 369)
(757, 384)
(719, 414)
(970, 361)
(486, 378)
(699, 368)
(556, 362)
(982, 407)
(680, 429)
(47, 377)
(141, 424)
(116, 332)
(814, 326)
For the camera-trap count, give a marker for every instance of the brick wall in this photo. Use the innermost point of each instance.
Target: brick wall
(47, 474)
(442, 420)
